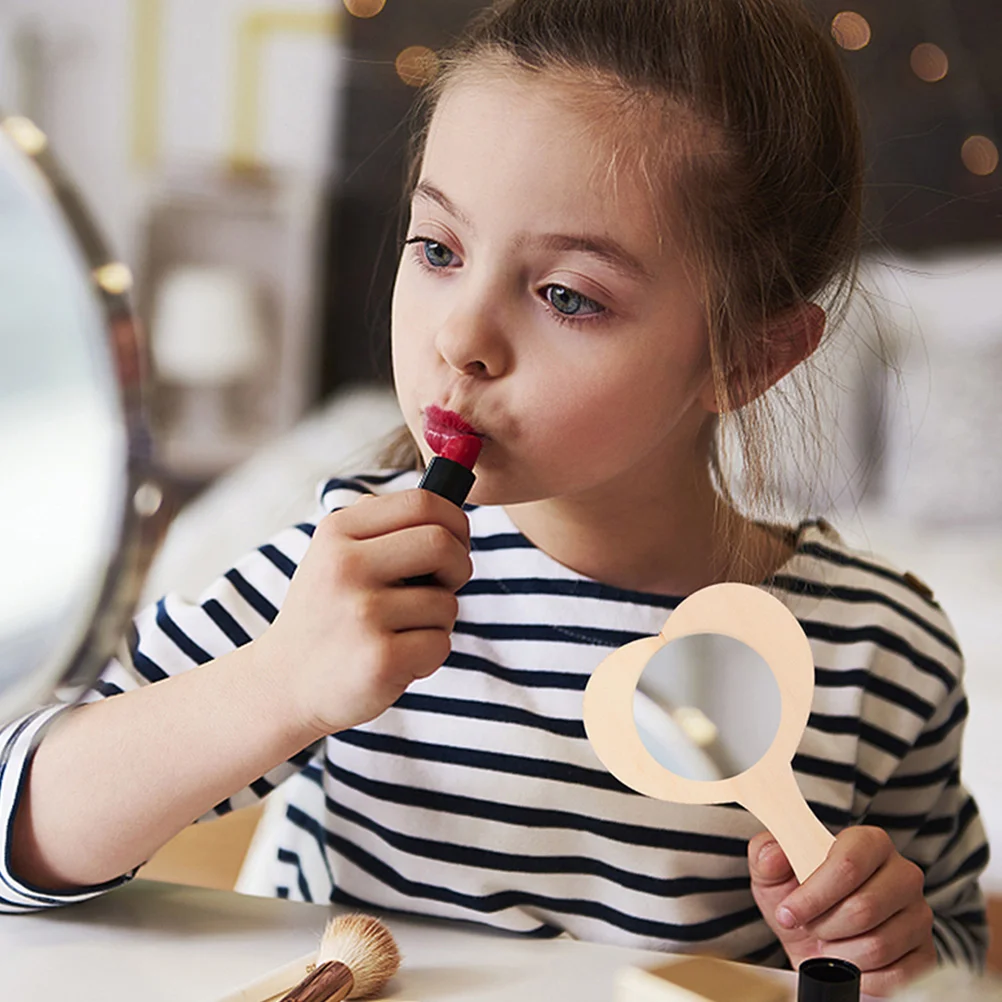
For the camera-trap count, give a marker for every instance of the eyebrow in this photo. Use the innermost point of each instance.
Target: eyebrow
(607, 250)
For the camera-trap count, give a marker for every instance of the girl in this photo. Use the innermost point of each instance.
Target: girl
(624, 214)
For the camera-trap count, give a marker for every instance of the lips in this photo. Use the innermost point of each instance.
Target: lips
(447, 422)
(445, 432)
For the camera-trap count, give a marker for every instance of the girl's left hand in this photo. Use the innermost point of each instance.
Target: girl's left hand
(864, 904)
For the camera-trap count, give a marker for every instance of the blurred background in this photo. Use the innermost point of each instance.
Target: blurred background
(247, 159)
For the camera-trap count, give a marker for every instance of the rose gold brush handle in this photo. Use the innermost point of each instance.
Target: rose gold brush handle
(329, 982)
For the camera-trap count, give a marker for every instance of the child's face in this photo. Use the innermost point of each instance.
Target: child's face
(542, 307)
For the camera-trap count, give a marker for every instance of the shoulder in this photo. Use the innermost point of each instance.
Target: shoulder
(340, 492)
(847, 596)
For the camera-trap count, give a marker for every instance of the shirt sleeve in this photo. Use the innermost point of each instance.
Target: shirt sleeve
(168, 638)
(934, 821)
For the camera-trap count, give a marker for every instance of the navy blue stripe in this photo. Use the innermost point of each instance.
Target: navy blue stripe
(570, 587)
(844, 560)
(976, 861)
(944, 948)
(502, 541)
(262, 787)
(499, 901)
(955, 923)
(835, 724)
(932, 778)
(896, 822)
(478, 710)
(825, 768)
(286, 856)
(146, 666)
(479, 857)
(535, 817)
(957, 716)
(831, 724)
(965, 817)
(832, 634)
(252, 596)
(472, 758)
(180, 639)
(591, 635)
(107, 688)
(278, 558)
(378, 479)
(234, 632)
(879, 738)
(857, 596)
(842, 678)
(575, 682)
(307, 528)
(860, 678)
(339, 896)
(340, 484)
(763, 954)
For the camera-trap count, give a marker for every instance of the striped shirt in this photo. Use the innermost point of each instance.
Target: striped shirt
(477, 795)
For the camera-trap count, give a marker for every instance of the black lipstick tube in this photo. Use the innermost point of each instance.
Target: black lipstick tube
(447, 479)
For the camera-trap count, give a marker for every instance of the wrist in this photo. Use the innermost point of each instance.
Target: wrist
(276, 681)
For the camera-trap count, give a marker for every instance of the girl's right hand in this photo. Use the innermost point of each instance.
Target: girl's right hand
(350, 636)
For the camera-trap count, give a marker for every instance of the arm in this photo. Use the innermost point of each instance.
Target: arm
(114, 780)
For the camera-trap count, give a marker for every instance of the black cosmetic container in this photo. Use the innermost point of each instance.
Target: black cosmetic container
(825, 979)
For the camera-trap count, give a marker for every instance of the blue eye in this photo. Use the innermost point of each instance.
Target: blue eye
(437, 255)
(570, 303)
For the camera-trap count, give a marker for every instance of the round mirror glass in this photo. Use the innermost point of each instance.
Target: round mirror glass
(64, 439)
(707, 707)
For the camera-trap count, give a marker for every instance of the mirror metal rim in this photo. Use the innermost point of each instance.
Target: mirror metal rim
(139, 528)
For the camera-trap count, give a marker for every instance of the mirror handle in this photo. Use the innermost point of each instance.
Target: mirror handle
(775, 799)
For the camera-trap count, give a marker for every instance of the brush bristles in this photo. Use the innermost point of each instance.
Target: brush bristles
(366, 947)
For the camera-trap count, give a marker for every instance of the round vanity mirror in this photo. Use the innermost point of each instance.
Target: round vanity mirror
(75, 491)
(707, 707)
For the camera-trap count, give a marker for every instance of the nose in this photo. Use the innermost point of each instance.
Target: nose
(471, 341)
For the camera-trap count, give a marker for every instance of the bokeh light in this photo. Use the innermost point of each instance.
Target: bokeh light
(417, 65)
(364, 8)
(851, 30)
(929, 62)
(980, 156)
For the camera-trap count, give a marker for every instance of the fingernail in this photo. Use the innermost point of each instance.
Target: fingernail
(786, 918)
(767, 850)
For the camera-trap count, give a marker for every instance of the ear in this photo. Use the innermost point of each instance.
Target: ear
(783, 344)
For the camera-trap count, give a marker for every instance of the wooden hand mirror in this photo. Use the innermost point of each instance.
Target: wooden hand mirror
(768, 789)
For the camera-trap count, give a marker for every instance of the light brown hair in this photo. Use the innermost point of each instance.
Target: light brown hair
(770, 217)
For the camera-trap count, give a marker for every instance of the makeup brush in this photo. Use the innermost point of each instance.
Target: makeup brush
(357, 957)
(357, 954)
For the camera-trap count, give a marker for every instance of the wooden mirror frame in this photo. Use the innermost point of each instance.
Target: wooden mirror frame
(768, 789)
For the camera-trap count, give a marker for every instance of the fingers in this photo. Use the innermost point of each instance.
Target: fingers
(425, 549)
(767, 862)
(424, 651)
(397, 609)
(885, 945)
(373, 516)
(894, 886)
(772, 881)
(854, 858)
(890, 980)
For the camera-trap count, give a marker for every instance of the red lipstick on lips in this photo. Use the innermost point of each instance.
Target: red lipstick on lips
(457, 445)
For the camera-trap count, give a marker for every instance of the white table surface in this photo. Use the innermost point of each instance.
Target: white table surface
(166, 943)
